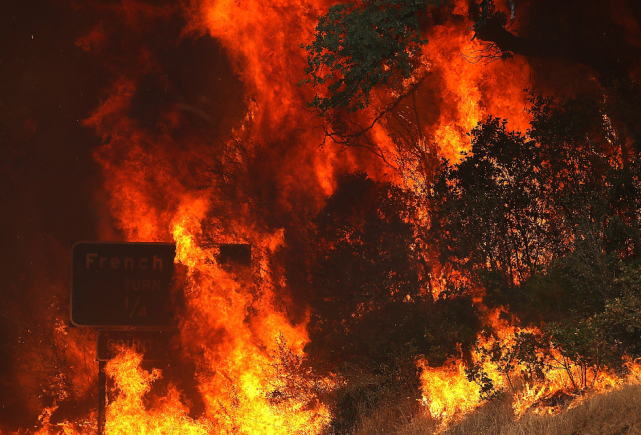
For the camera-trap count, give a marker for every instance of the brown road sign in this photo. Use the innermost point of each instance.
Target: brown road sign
(117, 284)
(153, 345)
(122, 284)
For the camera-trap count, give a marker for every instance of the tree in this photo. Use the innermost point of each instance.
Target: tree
(359, 46)
(518, 202)
(488, 209)
(373, 34)
(361, 258)
(548, 224)
(358, 269)
(377, 43)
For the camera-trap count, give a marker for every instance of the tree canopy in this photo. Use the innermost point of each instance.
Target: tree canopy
(358, 46)
(543, 223)
(358, 267)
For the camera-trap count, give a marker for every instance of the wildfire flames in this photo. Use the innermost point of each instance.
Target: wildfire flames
(449, 393)
(168, 185)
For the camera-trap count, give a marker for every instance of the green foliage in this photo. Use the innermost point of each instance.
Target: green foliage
(621, 318)
(364, 275)
(367, 250)
(453, 322)
(582, 344)
(359, 46)
(361, 273)
(488, 208)
(475, 373)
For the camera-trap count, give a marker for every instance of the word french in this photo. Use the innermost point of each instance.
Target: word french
(93, 260)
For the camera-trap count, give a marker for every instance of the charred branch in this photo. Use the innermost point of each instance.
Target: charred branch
(346, 132)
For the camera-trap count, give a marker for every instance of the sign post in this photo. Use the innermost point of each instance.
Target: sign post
(152, 345)
(121, 285)
(102, 396)
(125, 289)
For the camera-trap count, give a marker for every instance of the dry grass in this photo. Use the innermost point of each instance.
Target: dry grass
(613, 413)
(389, 419)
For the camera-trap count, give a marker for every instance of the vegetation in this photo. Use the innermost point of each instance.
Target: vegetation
(545, 222)
(366, 282)
(617, 412)
(361, 46)
(374, 43)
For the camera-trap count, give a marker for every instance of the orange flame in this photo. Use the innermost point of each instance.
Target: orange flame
(472, 89)
(448, 394)
(446, 391)
(128, 414)
(231, 325)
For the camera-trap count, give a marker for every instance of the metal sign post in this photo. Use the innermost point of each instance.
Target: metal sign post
(152, 345)
(102, 396)
(120, 285)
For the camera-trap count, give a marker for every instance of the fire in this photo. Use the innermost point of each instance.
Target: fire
(449, 393)
(128, 414)
(446, 391)
(66, 428)
(160, 188)
(229, 325)
(234, 374)
(262, 39)
(471, 88)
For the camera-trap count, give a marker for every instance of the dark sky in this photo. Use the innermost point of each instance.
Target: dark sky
(47, 86)
(48, 180)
